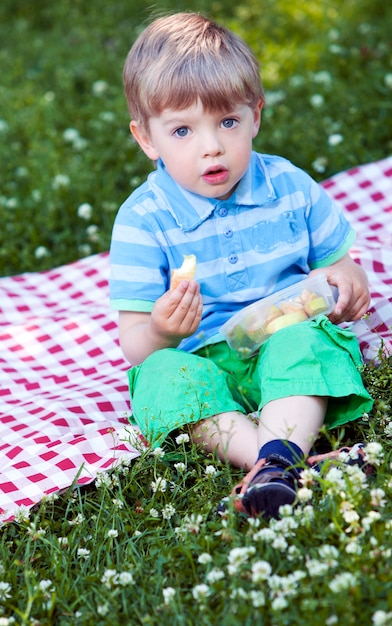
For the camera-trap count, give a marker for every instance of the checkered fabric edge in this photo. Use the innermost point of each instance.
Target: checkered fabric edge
(63, 390)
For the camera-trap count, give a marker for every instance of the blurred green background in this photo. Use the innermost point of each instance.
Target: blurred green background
(66, 157)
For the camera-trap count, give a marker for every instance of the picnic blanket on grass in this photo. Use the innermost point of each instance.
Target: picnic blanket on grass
(63, 387)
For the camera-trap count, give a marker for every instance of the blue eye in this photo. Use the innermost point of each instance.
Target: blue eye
(229, 122)
(181, 132)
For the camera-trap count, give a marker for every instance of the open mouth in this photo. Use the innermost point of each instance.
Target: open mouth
(215, 175)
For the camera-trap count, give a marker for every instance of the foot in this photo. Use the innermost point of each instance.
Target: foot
(271, 483)
(354, 455)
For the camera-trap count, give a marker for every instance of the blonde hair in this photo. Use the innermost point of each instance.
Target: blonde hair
(185, 57)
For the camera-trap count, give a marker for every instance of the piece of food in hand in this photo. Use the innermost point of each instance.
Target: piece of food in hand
(285, 320)
(185, 272)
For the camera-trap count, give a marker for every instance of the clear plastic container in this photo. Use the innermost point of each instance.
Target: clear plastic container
(248, 329)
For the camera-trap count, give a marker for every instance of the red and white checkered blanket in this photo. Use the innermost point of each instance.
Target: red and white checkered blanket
(63, 387)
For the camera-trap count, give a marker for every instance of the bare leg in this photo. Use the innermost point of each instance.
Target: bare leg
(237, 439)
(232, 435)
(295, 418)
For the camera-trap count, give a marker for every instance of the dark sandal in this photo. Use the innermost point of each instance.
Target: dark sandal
(270, 484)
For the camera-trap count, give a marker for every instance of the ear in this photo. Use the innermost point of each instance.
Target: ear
(143, 139)
(257, 117)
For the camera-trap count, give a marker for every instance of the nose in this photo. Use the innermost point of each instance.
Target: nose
(212, 146)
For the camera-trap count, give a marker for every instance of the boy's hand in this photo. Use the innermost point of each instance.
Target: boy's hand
(352, 284)
(177, 313)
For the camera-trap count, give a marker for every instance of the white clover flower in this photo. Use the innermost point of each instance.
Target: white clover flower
(358, 478)
(103, 609)
(83, 553)
(239, 556)
(342, 582)
(183, 438)
(382, 618)
(99, 87)
(159, 485)
(261, 570)
(85, 211)
(34, 532)
(204, 558)
(41, 252)
(159, 453)
(11, 203)
(285, 525)
(377, 497)
(112, 533)
(335, 139)
(329, 553)
(308, 477)
(369, 519)
(316, 567)
(119, 504)
(374, 453)
(320, 164)
(92, 232)
(323, 77)
(60, 181)
(317, 100)
(336, 49)
(5, 591)
(22, 514)
(238, 594)
(70, 135)
(107, 116)
(125, 578)
(265, 534)
(388, 430)
(200, 592)
(45, 585)
(103, 479)
(304, 494)
(168, 594)
(350, 516)
(388, 80)
(353, 547)
(180, 467)
(336, 479)
(154, 513)
(330, 621)
(192, 523)
(279, 543)
(109, 578)
(210, 470)
(168, 511)
(63, 541)
(214, 575)
(84, 249)
(257, 598)
(279, 603)
(274, 97)
(4, 127)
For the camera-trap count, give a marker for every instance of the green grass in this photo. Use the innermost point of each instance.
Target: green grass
(118, 552)
(64, 137)
(144, 545)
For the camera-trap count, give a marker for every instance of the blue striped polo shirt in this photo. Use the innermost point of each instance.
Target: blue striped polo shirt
(277, 226)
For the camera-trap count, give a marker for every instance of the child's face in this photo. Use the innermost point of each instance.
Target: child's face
(205, 152)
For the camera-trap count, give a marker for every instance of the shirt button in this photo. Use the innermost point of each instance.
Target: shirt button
(222, 211)
(233, 258)
(228, 232)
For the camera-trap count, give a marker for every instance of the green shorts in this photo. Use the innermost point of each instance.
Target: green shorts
(172, 388)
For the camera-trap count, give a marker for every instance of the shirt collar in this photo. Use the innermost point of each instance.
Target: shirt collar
(190, 210)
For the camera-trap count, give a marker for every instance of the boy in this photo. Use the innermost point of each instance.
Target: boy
(256, 224)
